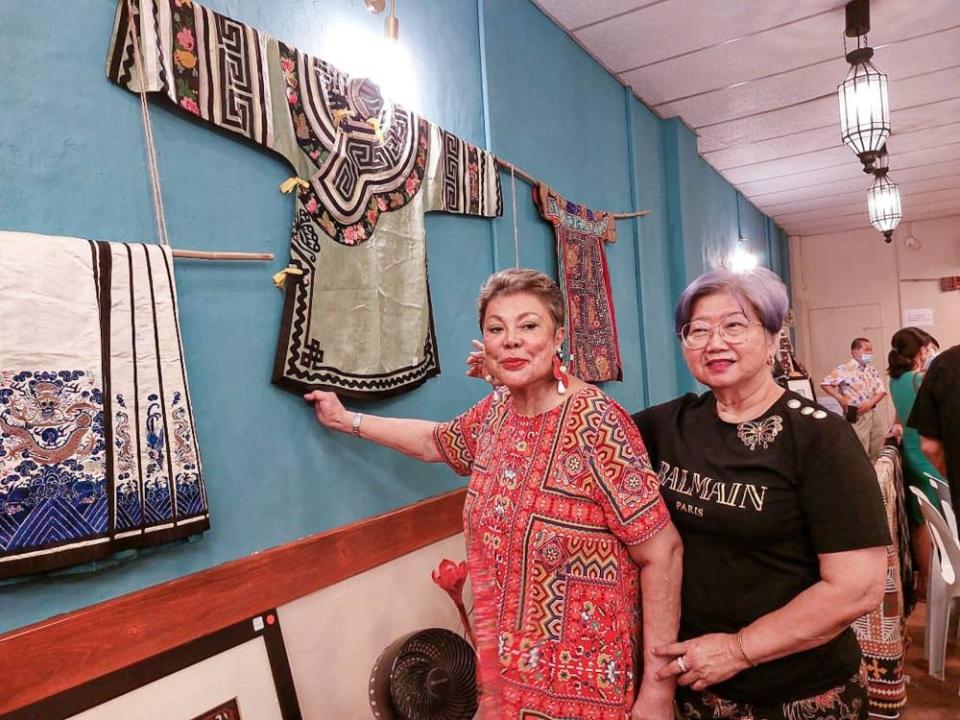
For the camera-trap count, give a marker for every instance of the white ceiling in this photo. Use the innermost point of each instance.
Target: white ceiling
(756, 80)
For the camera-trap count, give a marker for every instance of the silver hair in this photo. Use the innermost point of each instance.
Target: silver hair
(761, 288)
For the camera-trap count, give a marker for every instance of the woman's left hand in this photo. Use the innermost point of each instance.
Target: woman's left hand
(702, 661)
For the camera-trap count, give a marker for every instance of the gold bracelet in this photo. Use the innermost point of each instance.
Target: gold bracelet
(743, 652)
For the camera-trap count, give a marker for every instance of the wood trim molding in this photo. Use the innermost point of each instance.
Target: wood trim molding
(56, 654)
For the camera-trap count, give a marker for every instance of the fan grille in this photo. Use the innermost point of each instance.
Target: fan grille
(432, 676)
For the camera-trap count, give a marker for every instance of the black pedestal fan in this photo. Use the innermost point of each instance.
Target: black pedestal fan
(426, 675)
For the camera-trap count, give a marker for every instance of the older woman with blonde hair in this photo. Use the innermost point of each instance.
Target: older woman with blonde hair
(568, 538)
(781, 518)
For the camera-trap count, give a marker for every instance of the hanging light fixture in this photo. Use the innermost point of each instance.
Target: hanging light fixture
(864, 109)
(883, 201)
(742, 260)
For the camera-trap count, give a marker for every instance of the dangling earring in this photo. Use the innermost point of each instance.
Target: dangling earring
(560, 373)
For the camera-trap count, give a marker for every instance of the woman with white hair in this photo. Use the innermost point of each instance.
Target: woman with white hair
(782, 522)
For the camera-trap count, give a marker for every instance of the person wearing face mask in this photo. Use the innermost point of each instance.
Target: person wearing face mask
(858, 387)
(573, 559)
(931, 347)
(911, 350)
(936, 416)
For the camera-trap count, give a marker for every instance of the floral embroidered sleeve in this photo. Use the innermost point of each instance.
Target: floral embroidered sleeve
(626, 486)
(456, 439)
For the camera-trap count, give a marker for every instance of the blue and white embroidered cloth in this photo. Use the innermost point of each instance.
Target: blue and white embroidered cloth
(98, 451)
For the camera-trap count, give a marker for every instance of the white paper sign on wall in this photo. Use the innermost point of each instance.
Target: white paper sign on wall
(918, 317)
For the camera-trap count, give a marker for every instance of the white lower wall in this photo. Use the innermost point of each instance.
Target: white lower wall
(334, 636)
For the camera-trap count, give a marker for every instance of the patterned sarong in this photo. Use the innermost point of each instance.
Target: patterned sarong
(97, 445)
(358, 319)
(881, 632)
(585, 281)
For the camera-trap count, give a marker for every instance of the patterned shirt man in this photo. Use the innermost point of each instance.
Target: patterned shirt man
(857, 384)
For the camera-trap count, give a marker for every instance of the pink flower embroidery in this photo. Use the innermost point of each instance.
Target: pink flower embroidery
(381, 203)
(312, 206)
(185, 39)
(293, 98)
(286, 64)
(410, 185)
(189, 105)
(372, 215)
(350, 235)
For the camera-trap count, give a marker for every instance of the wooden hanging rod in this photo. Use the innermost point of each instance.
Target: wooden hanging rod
(533, 181)
(208, 255)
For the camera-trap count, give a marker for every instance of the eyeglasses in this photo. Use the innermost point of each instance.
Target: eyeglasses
(734, 329)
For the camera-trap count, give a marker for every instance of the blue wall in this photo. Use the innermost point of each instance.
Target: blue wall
(72, 163)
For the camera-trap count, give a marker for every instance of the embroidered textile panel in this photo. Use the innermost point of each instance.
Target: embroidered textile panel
(585, 281)
(880, 632)
(359, 320)
(98, 451)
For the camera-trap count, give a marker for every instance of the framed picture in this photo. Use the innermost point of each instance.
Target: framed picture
(802, 386)
(238, 673)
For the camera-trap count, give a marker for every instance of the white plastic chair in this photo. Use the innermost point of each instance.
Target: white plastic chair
(943, 492)
(944, 587)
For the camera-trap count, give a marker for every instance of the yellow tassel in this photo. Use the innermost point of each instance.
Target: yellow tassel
(288, 185)
(378, 131)
(339, 115)
(280, 279)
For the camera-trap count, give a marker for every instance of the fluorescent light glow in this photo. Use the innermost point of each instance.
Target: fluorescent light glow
(742, 259)
(363, 52)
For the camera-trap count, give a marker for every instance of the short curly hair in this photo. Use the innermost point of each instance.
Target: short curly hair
(522, 280)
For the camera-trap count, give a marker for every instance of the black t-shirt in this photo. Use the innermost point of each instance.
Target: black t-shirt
(755, 503)
(936, 413)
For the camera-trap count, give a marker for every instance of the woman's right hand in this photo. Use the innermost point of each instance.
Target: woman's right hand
(329, 410)
(477, 366)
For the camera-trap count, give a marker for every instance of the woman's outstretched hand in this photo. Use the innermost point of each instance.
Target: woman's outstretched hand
(329, 410)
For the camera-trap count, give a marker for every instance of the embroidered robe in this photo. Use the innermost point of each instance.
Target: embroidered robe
(585, 281)
(358, 320)
(97, 445)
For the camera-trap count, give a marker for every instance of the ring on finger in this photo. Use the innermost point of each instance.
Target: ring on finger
(682, 664)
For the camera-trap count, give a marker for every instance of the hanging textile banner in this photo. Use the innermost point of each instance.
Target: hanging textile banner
(585, 281)
(357, 315)
(97, 445)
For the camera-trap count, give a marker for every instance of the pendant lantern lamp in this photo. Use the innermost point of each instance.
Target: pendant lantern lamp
(883, 201)
(864, 108)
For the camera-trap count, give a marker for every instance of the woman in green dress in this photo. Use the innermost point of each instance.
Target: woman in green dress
(911, 350)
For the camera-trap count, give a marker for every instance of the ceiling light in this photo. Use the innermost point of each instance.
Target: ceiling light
(864, 108)
(883, 202)
(742, 259)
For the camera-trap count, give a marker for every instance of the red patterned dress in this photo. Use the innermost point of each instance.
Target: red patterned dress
(554, 502)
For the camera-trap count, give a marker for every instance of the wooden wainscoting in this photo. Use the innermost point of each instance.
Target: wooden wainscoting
(57, 654)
